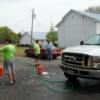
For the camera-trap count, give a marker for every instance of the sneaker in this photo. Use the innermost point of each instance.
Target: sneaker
(9, 83)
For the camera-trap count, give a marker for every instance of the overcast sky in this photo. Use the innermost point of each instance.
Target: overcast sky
(16, 14)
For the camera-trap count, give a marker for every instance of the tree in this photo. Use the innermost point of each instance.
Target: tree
(19, 35)
(94, 9)
(7, 33)
(52, 35)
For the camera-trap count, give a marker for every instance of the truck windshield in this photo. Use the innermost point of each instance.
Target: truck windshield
(94, 40)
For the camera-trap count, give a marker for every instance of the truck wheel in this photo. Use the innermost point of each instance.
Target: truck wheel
(70, 77)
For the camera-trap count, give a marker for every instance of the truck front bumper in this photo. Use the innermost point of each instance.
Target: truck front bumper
(81, 72)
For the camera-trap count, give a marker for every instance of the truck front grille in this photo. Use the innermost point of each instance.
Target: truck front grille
(75, 59)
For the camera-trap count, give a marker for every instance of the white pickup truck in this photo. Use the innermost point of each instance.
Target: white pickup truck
(82, 60)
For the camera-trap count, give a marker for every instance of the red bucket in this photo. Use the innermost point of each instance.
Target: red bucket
(40, 69)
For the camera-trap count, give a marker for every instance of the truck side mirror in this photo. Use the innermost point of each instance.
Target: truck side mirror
(81, 42)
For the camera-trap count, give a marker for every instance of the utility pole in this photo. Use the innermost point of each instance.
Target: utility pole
(33, 16)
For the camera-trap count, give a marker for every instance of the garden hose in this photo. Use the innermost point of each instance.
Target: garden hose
(46, 82)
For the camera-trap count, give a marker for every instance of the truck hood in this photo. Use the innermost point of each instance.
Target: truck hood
(92, 50)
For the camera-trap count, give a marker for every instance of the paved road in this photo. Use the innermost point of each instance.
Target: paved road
(29, 87)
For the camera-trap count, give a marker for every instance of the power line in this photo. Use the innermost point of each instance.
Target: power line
(41, 25)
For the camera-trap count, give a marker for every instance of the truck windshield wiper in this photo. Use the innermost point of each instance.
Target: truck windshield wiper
(89, 44)
(97, 44)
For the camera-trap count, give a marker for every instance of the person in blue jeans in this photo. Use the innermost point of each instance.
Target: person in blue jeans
(49, 50)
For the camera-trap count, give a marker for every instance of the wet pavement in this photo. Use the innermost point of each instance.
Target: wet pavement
(54, 87)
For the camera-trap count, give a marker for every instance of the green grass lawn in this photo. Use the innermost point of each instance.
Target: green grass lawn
(19, 52)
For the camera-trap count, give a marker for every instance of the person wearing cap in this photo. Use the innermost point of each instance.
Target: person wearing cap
(9, 61)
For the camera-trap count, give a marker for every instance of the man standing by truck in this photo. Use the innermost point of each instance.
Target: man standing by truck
(9, 60)
(49, 50)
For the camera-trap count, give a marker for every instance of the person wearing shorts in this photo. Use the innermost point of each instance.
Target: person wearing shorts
(37, 52)
(9, 61)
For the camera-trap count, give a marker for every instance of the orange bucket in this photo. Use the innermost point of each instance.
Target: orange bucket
(1, 70)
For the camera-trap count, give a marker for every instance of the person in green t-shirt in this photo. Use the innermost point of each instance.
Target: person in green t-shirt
(9, 61)
(36, 47)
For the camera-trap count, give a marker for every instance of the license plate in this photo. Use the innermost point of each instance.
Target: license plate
(69, 71)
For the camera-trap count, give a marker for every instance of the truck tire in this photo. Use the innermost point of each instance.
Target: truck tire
(70, 77)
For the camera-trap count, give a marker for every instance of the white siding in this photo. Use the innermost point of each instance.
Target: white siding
(89, 27)
(61, 38)
(25, 40)
(98, 28)
(75, 28)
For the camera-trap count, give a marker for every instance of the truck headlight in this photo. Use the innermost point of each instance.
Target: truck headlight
(96, 62)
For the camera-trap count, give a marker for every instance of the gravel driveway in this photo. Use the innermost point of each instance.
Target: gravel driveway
(29, 87)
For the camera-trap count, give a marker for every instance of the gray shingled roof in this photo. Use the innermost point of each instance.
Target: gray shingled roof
(94, 16)
(37, 35)
(91, 15)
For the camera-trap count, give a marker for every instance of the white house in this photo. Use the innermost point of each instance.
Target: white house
(76, 26)
(26, 38)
